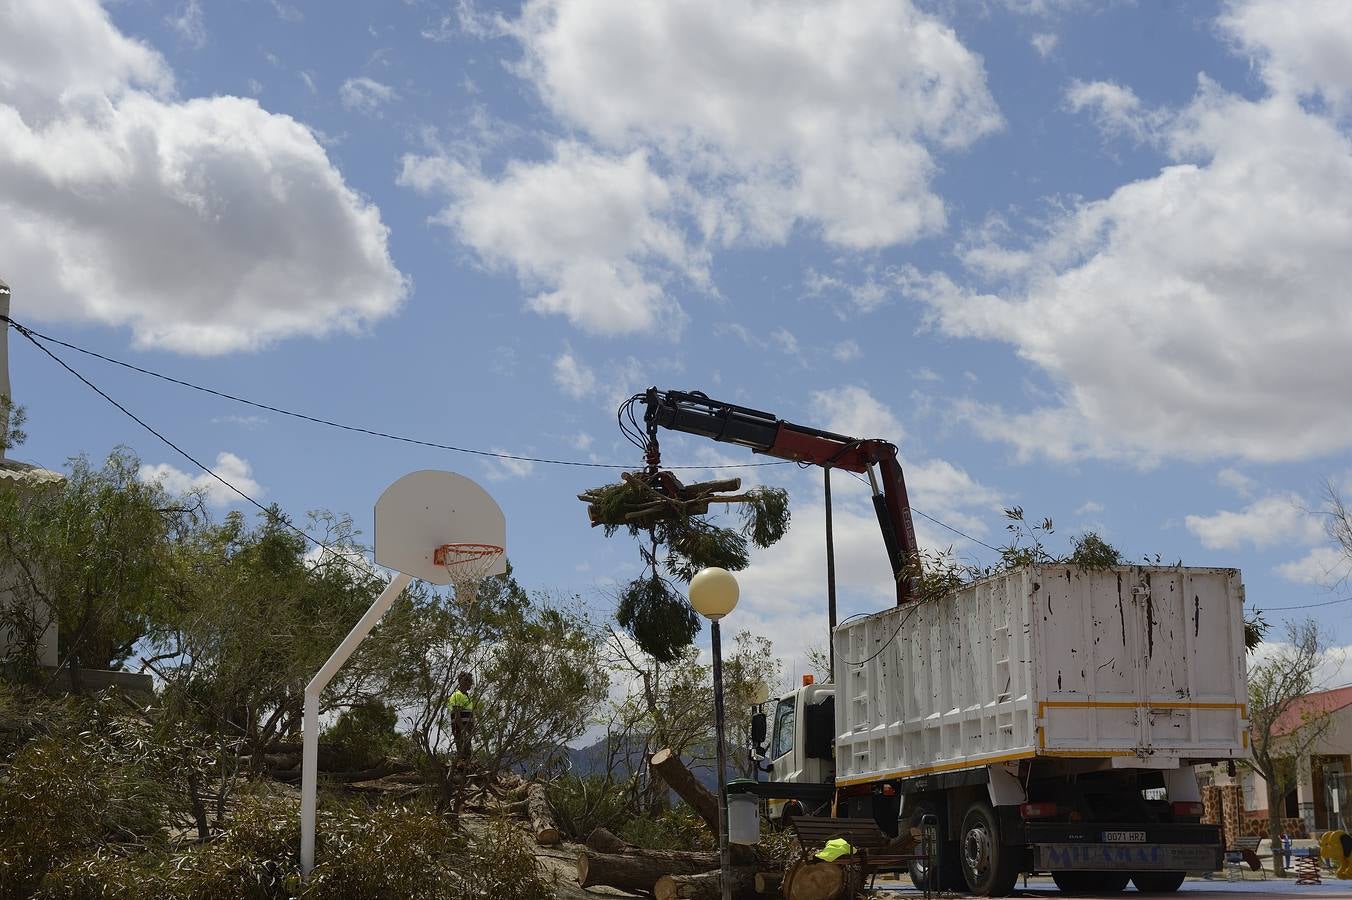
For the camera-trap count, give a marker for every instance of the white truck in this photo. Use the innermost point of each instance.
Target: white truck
(1049, 717)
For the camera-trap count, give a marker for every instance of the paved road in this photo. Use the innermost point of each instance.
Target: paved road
(1202, 890)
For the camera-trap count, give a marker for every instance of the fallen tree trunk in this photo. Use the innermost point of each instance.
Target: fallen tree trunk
(541, 819)
(602, 841)
(634, 871)
(702, 800)
(705, 886)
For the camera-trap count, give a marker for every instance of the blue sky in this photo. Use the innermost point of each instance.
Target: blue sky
(1088, 258)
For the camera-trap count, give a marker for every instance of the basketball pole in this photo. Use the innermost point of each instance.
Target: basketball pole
(309, 777)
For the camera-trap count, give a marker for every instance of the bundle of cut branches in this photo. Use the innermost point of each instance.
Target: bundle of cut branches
(681, 541)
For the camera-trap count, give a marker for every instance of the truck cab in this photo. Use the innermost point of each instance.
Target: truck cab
(797, 744)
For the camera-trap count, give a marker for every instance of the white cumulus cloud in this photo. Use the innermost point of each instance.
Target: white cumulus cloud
(204, 225)
(365, 95)
(854, 412)
(230, 467)
(588, 229)
(574, 377)
(1200, 313)
(1324, 566)
(724, 122)
(1269, 521)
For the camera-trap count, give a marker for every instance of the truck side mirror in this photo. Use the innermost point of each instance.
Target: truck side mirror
(758, 732)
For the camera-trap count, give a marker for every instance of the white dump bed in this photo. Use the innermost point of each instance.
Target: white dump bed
(1141, 665)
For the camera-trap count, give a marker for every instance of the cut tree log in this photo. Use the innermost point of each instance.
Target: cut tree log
(547, 833)
(702, 800)
(768, 882)
(603, 841)
(705, 886)
(816, 880)
(634, 871)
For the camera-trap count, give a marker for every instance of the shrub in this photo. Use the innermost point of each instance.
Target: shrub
(583, 804)
(675, 829)
(363, 737)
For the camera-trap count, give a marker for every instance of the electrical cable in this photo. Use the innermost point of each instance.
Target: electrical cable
(627, 416)
(36, 337)
(887, 643)
(1301, 605)
(188, 456)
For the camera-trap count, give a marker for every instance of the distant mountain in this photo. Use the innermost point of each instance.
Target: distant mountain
(593, 759)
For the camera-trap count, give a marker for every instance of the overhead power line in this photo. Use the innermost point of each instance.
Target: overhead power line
(37, 337)
(175, 447)
(1262, 608)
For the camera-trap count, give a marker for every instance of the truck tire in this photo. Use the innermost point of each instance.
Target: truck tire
(1090, 882)
(1158, 882)
(989, 867)
(948, 876)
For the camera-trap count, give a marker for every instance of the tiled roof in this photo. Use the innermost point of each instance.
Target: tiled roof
(23, 474)
(1311, 706)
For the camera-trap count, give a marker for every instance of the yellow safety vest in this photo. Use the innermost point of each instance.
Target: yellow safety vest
(460, 701)
(835, 849)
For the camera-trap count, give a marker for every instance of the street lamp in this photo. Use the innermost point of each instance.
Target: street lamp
(713, 594)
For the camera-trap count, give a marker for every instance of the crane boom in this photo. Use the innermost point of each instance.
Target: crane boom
(692, 412)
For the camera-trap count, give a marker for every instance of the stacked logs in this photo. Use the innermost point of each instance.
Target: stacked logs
(694, 875)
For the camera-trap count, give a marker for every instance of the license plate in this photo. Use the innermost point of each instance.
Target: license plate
(1124, 837)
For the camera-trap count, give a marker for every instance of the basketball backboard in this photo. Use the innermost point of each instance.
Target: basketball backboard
(426, 509)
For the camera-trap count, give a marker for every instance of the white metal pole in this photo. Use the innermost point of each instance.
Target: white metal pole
(309, 767)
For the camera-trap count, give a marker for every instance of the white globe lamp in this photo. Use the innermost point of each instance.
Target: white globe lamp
(713, 593)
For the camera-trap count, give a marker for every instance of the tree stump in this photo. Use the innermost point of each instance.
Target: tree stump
(602, 841)
(816, 880)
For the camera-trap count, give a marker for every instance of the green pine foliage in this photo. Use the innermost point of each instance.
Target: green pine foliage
(681, 540)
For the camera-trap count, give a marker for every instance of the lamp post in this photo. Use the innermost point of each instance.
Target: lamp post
(5, 402)
(713, 594)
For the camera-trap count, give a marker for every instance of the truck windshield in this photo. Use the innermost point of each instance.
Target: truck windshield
(783, 741)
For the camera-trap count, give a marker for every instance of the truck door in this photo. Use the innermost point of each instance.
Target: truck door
(782, 740)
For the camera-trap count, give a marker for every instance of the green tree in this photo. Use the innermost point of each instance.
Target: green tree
(94, 554)
(12, 418)
(1285, 727)
(254, 614)
(535, 661)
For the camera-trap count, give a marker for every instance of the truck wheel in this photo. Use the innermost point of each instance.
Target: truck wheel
(1158, 882)
(948, 876)
(991, 868)
(1090, 882)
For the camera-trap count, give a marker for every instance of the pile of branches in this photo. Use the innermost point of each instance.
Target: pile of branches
(679, 543)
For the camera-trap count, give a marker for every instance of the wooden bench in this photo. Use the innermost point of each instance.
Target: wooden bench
(875, 851)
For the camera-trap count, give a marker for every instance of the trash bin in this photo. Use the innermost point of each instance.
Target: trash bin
(743, 813)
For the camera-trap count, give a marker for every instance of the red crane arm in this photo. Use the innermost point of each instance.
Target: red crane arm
(696, 413)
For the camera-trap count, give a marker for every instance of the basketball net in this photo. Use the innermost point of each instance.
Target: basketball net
(467, 565)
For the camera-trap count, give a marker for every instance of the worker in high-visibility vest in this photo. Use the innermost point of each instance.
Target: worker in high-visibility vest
(462, 716)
